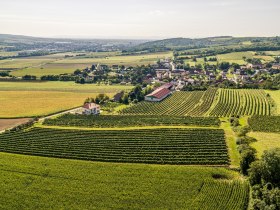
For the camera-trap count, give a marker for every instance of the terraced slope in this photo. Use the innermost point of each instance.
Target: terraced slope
(161, 146)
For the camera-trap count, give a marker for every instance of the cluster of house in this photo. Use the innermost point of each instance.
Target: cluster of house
(180, 77)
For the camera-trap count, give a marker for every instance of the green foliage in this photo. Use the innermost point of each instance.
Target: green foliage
(248, 156)
(161, 146)
(29, 182)
(264, 176)
(265, 123)
(130, 121)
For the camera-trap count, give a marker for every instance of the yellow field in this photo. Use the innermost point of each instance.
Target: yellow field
(25, 99)
(37, 103)
(265, 141)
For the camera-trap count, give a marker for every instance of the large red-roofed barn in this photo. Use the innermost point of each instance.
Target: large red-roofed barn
(158, 95)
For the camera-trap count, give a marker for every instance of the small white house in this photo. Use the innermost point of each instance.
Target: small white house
(89, 109)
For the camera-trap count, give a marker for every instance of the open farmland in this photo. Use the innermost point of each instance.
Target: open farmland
(29, 99)
(62, 87)
(57, 64)
(29, 182)
(129, 60)
(235, 57)
(129, 121)
(161, 146)
(50, 69)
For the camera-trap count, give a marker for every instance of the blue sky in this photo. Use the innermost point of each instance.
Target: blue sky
(140, 18)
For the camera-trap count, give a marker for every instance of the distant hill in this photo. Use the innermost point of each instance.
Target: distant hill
(182, 43)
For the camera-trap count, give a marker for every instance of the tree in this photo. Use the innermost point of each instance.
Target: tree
(77, 72)
(224, 65)
(247, 157)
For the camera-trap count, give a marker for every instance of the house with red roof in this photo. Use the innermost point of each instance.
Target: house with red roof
(89, 109)
(158, 95)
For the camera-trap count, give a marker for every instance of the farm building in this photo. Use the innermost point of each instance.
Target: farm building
(158, 95)
(89, 109)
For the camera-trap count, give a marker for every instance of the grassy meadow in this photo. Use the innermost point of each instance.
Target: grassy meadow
(28, 99)
(29, 182)
(265, 141)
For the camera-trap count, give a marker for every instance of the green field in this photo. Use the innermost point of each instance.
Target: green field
(161, 146)
(58, 64)
(28, 99)
(235, 57)
(265, 141)
(29, 182)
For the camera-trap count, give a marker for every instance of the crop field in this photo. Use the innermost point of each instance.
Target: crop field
(241, 103)
(265, 123)
(62, 87)
(38, 103)
(50, 69)
(235, 57)
(28, 99)
(265, 141)
(19, 63)
(161, 146)
(194, 103)
(29, 182)
(129, 121)
(131, 60)
(57, 63)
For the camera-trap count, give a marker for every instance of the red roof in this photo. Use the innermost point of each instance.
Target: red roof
(159, 93)
(90, 105)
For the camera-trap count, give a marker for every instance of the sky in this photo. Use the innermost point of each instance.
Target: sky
(153, 19)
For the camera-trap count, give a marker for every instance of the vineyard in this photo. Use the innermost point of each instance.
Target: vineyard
(160, 146)
(195, 103)
(265, 123)
(102, 121)
(222, 103)
(241, 103)
(215, 195)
